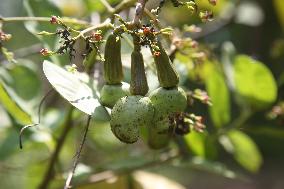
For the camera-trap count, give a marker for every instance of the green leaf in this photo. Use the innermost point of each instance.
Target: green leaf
(9, 143)
(279, 8)
(12, 107)
(196, 142)
(46, 8)
(24, 81)
(214, 167)
(201, 144)
(254, 82)
(219, 94)
(245, 150)
(75, 87)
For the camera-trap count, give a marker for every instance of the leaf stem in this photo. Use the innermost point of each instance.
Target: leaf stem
(139, 11)
(77, 156)
(45, 19)
(106, 24)
(123, 5)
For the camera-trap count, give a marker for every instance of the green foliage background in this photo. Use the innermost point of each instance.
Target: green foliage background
(242, 146)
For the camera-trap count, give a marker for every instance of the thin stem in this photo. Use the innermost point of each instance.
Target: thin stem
(49, 174)
(77, 156)
(239, 122)
(107, 5)
(157, 24)
(123, 5)
(104, 25)
(39, 116)
(44, 19)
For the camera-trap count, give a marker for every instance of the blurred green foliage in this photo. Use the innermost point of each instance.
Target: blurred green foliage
(245, 86)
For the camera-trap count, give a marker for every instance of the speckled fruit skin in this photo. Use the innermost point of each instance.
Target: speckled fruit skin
(159, 135)
(128, 115)
(110, 94)
(165, 102)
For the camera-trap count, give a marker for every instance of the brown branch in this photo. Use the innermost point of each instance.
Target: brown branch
(77, 156)
(139, 11)
(49, 174)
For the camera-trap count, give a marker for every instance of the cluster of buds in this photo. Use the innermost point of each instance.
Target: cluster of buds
(54, 20)
(46, 52)
(192, 28)
(96, 36)
(181, 123)
(159, 8)
(4, 36)
(72, 68)
(206, 16)
(148, 38)
(277, 111)
(200, 95)
(213, 2)
(184, 43)
(191, 5)
(68, 42)
(196, 122)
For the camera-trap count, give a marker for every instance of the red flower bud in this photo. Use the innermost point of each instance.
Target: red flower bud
(53, 20)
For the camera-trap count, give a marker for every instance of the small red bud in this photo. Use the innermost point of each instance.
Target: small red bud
(53, 20)
(44, 52)
(157, 53)
(213, 2)
(146, 31)
(4, 36)
(97, 36)
(206, 16)
(194, 44)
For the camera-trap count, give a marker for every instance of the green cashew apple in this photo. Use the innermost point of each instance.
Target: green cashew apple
(128, 115)
(110, 94)
(159, 134)
(165, 102)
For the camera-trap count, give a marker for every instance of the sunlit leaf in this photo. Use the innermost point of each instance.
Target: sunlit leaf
(254, 81)
(149, 180)
(73, 88)
(245, 150)
(12, 107)
(201, 144)
(196, 143)
(279, 6)
(219, 94)
(214, 167)
(120, 182)
(94, 6)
